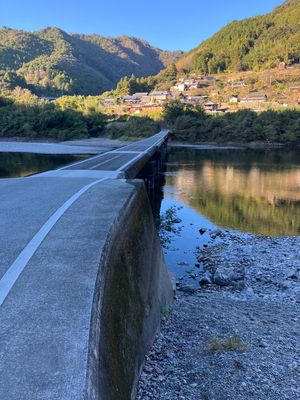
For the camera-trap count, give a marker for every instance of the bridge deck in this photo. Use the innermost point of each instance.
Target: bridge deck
(52, 229)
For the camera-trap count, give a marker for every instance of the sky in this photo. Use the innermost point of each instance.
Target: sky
(167, 24)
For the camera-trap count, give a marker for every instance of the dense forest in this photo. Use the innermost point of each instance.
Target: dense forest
(52, 62)
(251, 44)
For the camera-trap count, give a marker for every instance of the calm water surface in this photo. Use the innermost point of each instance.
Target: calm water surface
(14, 165)
(251, 191)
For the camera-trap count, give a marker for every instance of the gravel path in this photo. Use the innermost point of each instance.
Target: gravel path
(237, 335)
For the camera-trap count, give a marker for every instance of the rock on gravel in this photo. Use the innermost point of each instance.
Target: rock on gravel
(235, 342)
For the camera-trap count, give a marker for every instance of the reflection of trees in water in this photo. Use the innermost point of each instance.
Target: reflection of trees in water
(244, 159)
(250, 214)
(237, 190)
(23, 164)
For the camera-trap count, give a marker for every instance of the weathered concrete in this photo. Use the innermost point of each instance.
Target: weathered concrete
(132, 289)
(82, 283)
(50, 348)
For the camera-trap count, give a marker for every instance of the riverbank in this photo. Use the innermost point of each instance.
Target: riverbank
(236, 336)
(234, 145)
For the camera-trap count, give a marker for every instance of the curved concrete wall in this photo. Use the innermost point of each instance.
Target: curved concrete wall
(80, 317)
(132, 287)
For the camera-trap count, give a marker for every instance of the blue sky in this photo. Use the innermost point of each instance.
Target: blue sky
(168, 24)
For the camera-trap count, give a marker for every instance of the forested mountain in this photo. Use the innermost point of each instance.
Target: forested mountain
(254, 43)
(53, 62)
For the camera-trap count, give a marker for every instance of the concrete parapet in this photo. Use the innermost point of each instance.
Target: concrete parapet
(132, 287)
(79, 319)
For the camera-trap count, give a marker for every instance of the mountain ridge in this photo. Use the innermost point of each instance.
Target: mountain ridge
(52, 61)
(250, 44)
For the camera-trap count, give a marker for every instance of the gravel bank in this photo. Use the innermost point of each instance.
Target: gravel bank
(236, 336)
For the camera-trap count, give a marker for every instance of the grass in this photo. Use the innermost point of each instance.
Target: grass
(225, 344)
(165, 312)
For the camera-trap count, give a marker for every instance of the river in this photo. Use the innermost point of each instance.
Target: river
(249, 191)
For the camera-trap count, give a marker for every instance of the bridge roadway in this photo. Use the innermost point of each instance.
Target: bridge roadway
(52, 226)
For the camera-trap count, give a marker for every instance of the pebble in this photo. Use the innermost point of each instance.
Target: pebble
(256, 314)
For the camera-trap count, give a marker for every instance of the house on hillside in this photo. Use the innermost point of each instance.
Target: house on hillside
(237, 84)
(234, 99)
(255, 98)
(176, 96)
(210, 106)
(139, 95)
(127, 99)
(145, 99)
(49, 99)
(179, 87)
(194, 99)
(159, 97)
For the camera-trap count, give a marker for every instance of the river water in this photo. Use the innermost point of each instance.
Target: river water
(249, 191)
(13, 165)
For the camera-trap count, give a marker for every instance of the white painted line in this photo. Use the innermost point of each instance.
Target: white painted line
(106, 161)
(82, 161)
(12, 274)
(126, 152)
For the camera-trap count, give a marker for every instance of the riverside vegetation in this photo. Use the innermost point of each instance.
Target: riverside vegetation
(22, 114)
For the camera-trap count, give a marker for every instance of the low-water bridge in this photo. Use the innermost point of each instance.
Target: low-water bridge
(82, 278)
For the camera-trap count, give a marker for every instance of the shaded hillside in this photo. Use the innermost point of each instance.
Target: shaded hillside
(254, 43)
(53, 62)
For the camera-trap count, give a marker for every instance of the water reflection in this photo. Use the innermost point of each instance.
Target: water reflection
(256, 191)
(14, 165)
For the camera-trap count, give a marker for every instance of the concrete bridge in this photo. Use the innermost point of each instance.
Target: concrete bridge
(82, 278)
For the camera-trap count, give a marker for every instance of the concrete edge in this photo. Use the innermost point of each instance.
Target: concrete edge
(126, 312)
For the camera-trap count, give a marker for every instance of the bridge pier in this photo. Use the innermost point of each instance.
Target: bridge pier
(154, 178)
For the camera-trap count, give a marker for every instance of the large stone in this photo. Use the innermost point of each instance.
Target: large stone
(206, 279)
(223, 277)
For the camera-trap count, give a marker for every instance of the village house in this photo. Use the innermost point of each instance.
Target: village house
(176, 96)
(190, 81)
(49, 99)
(179, 87)
(255, 98)
(145, 99)
(140, 95)
(210, 106)
(127, 99)
(136, 98)
(234, 99)
(237, 84)
(195, 99)
(159, 97)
